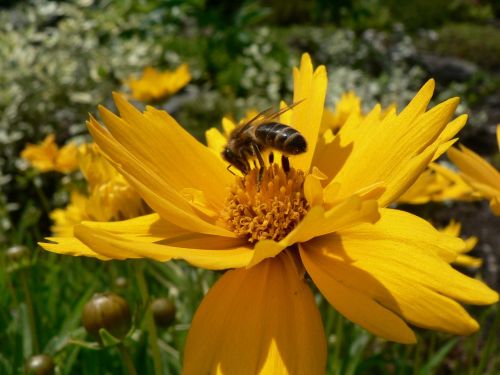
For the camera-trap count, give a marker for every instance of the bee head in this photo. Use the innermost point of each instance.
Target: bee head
(233, 159)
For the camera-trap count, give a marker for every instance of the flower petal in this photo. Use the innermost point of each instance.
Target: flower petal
(359, 307)
(211, 252)
(348, 212)
(476, 171)
(147, 228)
(258, 321)
(394, 149)
(70, 246)
(498, 136)
(398, 262)
(159, 142)
(215, 141)
(309, 86)
(159, 195)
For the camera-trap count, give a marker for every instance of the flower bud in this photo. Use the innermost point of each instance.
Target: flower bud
(40, 364)
(108, 311)
(163, 312)
(17, 253)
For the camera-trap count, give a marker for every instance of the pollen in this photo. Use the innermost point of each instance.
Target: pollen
(269, 209)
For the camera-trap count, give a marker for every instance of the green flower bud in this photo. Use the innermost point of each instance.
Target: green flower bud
(108, 311)
(40, 364)
(163, 312)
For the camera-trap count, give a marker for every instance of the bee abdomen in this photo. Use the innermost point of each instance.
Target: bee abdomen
(281, 137)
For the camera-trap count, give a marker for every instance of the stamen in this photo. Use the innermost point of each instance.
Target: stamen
(269, 209)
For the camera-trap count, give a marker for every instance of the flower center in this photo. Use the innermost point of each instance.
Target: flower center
(269, 210)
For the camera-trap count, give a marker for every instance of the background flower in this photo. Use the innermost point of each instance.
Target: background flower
(156, 85)
(480, 174)
(47, 156)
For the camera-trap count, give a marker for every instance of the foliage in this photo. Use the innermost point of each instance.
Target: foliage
(477, 43)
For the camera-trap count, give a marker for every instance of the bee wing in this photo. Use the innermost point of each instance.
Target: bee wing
(268, 113)
(264, 114)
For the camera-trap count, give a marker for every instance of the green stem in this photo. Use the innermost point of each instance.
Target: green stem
(129, 364)
(31, 311)
(43, 198)
(339, 333)
(417, 359)
(150, 324)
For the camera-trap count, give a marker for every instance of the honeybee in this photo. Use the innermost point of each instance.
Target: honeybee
(262, 132)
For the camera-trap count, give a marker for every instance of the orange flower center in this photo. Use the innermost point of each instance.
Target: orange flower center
(269, 210)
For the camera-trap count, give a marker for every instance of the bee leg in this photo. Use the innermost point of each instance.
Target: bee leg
(230, 171)
(271, 158)
(285, 163)
(261, 162)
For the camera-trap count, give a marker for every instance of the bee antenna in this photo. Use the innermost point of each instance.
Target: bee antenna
(271, 158)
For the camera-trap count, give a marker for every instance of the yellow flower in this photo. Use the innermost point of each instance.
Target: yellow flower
(381, 268)
(438, 184)
(155, 85)
(479, 174)
(48, 157)
(110, 197)
(348, 105)
(66, 218)
(453, 229)
(348, 108)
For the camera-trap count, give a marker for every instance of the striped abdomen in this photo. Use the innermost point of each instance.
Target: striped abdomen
(281, 137)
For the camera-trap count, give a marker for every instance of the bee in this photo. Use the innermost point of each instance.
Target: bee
(263, 132)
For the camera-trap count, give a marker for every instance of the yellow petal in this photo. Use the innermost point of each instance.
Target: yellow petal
(498, 136)
(228, 126)
(310, 86)
(394, 149)
(152, 187)
(477, 171)
(387, 291)
(70, 246)
(215, 141)
(409, 246)
(355, 305)
(346, 213)
(258, 321)
(266, 249)
(160, 143)
(448, 133)
(313, 190)
(495, 206)
(211, 252)
(147, 228)
(468, 261)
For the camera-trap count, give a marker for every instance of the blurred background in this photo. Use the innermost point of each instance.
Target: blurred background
(60, 59)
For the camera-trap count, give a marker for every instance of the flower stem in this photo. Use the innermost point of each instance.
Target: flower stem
(31, 311)
(339, 333)
(129, 364)
(43, 198)
(150, 324)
